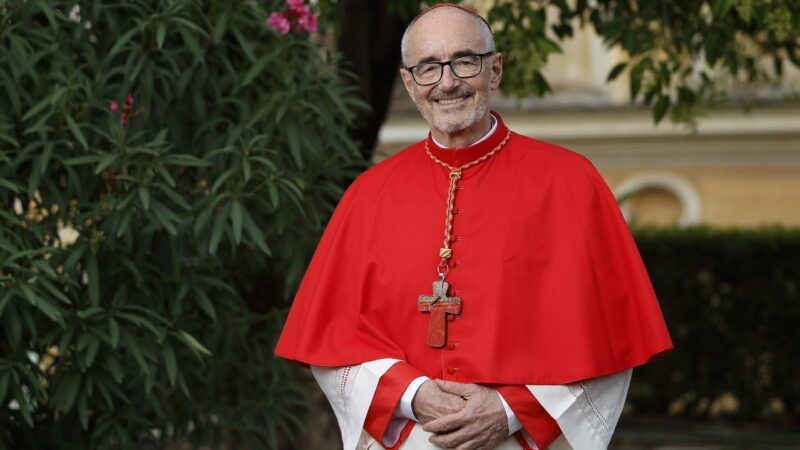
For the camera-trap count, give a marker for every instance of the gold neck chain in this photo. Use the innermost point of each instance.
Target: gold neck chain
(455, 174)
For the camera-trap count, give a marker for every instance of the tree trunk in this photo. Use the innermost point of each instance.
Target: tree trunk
(370, 43)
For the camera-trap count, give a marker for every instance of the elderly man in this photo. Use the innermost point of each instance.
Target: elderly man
(540, 305)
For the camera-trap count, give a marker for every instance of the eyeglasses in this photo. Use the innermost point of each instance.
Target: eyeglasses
(429, 73)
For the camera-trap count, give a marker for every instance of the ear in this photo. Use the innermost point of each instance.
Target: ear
(408, 83)
(497, 71)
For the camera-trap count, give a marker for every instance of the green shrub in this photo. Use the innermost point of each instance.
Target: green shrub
(147, 248)
(732, 303)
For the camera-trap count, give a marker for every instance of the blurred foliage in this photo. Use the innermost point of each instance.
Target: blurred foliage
(679, 56)
(148, 244)
(731, 300)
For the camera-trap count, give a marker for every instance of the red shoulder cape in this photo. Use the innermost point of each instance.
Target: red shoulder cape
(552, 284)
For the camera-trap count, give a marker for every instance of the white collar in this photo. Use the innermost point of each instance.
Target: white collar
(485, 136)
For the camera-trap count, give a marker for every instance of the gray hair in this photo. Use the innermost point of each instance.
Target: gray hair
(488, 38)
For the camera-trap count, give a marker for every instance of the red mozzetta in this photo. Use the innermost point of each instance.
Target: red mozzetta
(552, 285)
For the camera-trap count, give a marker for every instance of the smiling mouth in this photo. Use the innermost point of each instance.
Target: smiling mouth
(451, 101)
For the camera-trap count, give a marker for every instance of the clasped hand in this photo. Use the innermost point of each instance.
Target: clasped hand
(460, 416)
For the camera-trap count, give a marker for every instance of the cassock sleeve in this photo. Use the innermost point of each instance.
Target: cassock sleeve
(535, 420)
(587, 411)
(380, 422)
(349, 390)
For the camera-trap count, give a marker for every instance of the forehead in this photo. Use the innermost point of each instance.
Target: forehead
(442, 32)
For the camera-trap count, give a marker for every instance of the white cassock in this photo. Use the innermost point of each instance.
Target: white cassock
(586, 411)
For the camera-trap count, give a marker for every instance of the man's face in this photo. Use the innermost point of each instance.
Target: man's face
(453, 104)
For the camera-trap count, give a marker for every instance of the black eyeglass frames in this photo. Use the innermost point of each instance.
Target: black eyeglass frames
(466, 66)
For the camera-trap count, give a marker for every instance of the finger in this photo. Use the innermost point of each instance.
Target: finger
(471, 445)
(446, 423)
(455, 388)
(454, 439)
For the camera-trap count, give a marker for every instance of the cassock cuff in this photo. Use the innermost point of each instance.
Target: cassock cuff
(514, 424)
(530, 413)
(391, 387)
(404, 408)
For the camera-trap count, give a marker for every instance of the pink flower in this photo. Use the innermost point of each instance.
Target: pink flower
(129, 100)
(278, 23)
(296, 5)
(123, 119)
(112, 105)
(307, 21)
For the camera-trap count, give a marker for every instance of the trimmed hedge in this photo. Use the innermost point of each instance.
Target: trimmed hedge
(732, 305)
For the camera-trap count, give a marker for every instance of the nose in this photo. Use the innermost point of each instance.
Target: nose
(449, 80)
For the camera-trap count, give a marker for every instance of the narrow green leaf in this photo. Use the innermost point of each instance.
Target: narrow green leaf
(9, 185)
(222, 179)
(662, 105)
(255, 70)
(24, 405)
(44, 103)
(200, 222)
(77, 253)
(295, 147)
(89, 312)
(54, 291)
(113, 332)
(83, 411)
(136, 352)
(255, 233)
(144, 196)
(125, 222)
(193, 343)
(205, 303)
(186, 161)
(50, 310)
(616, 71)
(69, 391)
(274, 196)
(105, 161)
(76, 131)
(122, 41)
(94, 280)
(113, 366)
(165, 217)
(161, 33)
(91, 351)
(170, 363)
(175, 197)
(236, 220)
(216, 233)
(220, 26)
(82, 160)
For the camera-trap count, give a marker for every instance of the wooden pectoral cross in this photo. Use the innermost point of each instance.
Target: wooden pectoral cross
(439, 305)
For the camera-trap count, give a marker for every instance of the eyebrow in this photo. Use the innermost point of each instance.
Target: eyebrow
(457, 54)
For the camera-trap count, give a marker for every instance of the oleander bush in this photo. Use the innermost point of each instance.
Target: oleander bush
(731, 299)
(163, 165)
